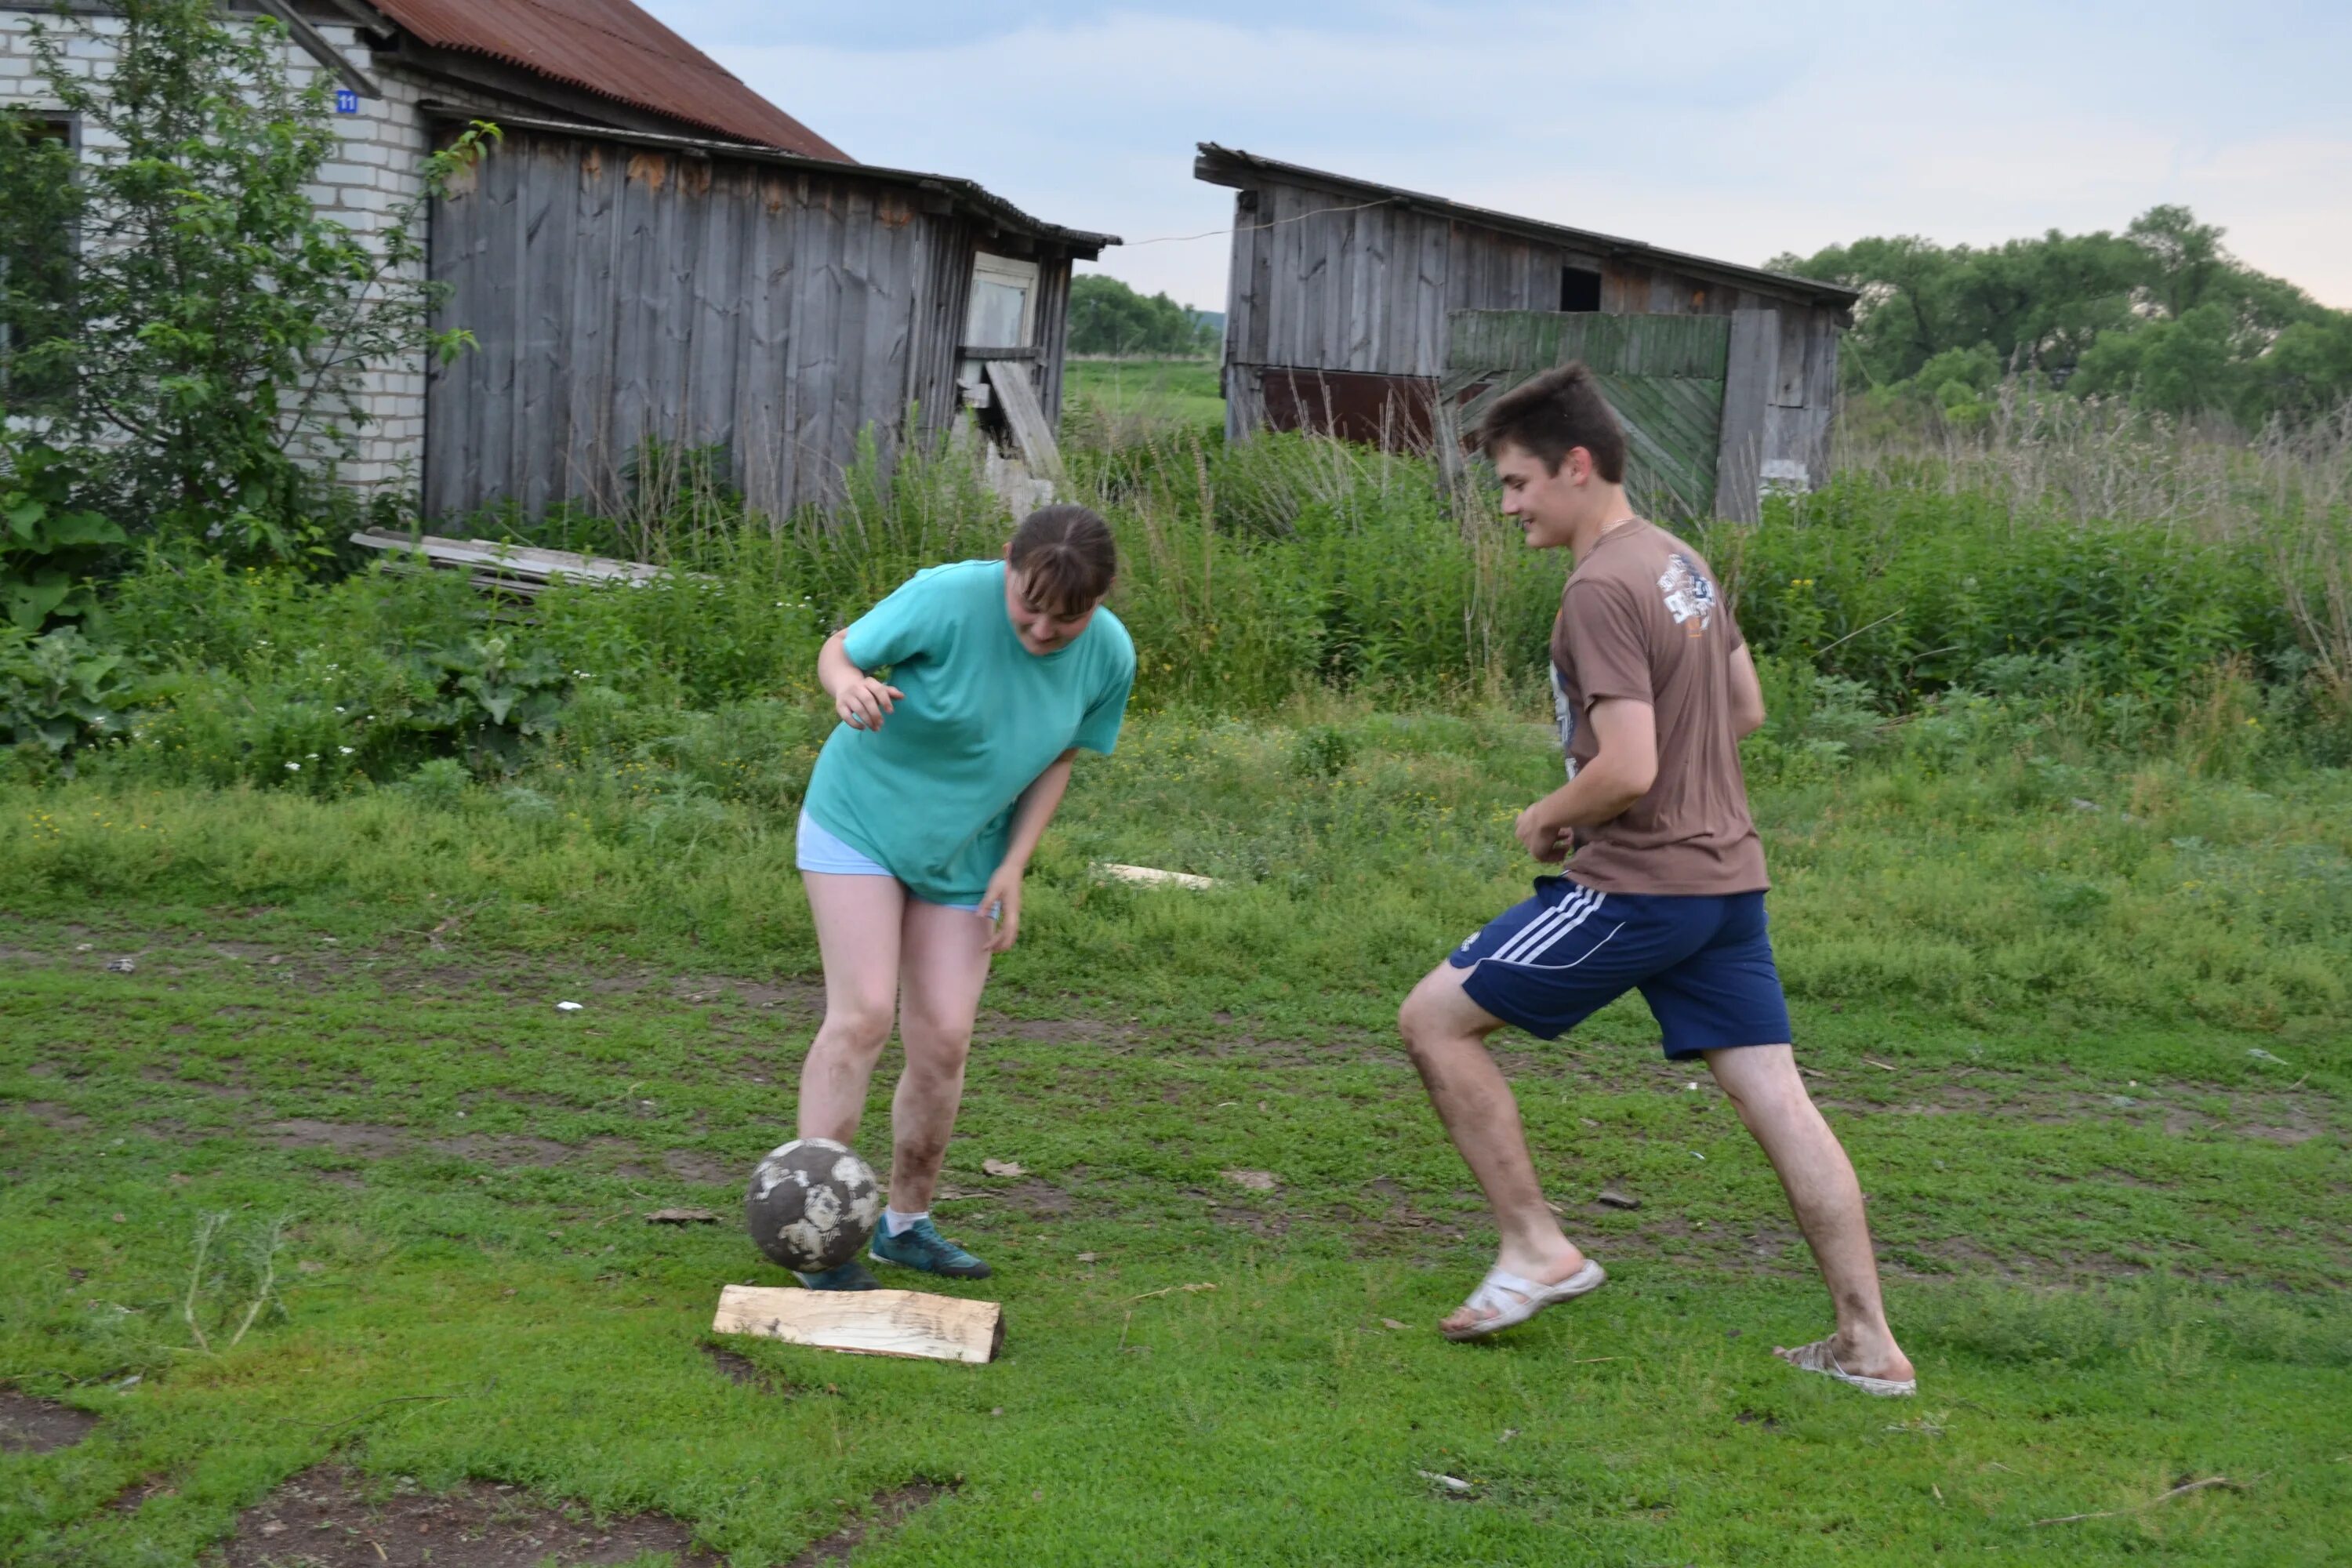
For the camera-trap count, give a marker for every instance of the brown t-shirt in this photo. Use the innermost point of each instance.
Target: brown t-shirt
(1641, 619)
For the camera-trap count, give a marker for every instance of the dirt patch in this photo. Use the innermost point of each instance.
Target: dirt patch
(131, 1498)
(693, 1166)
(30, 1426)
(54, 1116)
(887, 1511)
(359, 1139)
(332, 1517)
(504, 1150)
(742, 1369)
(1033, 1198)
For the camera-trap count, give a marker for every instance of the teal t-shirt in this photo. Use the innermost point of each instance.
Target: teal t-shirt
(930, 794)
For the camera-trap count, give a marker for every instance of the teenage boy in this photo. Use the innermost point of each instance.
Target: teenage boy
(1653, 689)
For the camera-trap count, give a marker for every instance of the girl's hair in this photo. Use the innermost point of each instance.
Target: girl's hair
(1066, 559)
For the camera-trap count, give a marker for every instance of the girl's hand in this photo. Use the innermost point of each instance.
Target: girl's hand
(862, 702)
(1002, 902)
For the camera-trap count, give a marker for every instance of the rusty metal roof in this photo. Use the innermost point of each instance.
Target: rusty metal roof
(1218, 165)
(612, 48)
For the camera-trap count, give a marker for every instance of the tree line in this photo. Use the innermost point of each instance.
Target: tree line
(2161, 313)
(1107, 317)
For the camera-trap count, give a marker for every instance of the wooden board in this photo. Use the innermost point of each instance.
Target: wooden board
(1663, 373)
(1027, 416)
(911, 1323)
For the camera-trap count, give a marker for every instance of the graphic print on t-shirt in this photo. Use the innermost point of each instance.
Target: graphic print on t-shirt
(1563, 713)
(1689, 596)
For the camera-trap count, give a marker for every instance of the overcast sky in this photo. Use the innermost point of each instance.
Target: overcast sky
(1733, 131)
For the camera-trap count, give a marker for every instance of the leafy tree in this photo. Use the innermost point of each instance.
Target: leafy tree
(184, 319)
(1107, 317)
(2161, 312)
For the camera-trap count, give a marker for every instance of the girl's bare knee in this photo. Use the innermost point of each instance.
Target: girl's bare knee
(860, 1026)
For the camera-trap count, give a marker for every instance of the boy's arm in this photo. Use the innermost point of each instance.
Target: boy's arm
(1620, 773)
(1747, 695)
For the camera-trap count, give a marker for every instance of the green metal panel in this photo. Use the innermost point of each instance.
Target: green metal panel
(1662, 374)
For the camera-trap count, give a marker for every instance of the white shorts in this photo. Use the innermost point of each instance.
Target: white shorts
(819, 850)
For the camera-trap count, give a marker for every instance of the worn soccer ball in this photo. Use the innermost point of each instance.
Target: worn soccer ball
(812, 1204)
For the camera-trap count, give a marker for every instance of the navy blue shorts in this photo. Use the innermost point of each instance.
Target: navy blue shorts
(1703, 963)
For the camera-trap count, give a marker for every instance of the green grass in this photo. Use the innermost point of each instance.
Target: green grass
(1174, 391)
(2116, 1238)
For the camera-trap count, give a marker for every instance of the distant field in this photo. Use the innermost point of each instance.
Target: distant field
(1185, 390)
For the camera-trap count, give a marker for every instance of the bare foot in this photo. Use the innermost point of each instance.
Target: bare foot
(1549, 1270)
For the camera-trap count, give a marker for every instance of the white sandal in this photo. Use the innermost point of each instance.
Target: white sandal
(1820, 1357)
(1509, 1300)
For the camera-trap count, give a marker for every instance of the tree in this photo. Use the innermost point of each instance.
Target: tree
(1107, 317)
(199, 343)
(2161, 313)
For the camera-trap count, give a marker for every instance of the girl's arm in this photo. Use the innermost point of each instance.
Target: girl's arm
(1038, 804)
(857, 696)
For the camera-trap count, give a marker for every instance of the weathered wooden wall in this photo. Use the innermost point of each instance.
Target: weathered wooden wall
(1322, 282)
(620, 295)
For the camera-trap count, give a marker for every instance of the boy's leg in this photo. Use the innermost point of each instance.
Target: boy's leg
(857, 921)
(1446, 1033)
(943, 965)
(1763, 1083)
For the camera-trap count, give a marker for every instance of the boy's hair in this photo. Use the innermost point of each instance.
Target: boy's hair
(1558, 410)
(1066, 559)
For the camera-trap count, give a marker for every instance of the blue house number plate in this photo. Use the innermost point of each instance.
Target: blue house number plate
(346, 102)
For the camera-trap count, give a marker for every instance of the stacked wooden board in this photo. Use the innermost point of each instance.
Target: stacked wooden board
(502, 568)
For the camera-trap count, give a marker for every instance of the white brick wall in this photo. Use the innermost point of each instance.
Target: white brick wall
(377, 173)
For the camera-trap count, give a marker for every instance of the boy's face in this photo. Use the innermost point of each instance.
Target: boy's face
(1547, 505)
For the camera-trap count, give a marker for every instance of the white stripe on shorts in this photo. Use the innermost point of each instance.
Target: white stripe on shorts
(1556, 922)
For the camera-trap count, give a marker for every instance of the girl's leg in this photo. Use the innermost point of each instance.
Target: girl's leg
(858, 925)
(943, 963)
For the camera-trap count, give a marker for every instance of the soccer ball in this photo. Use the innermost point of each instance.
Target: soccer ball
(812, 1204)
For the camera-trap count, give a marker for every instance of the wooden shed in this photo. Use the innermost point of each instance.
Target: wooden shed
(628, 288)
(1363, 311)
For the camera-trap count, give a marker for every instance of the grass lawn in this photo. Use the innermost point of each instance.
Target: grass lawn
(2081, 1022)
(1172, 391)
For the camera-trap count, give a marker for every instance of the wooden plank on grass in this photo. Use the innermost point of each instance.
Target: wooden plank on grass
(1031, 433)
(912, 1323)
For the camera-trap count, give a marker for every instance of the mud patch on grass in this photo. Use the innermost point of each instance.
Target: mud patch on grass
(1032, 1198)
(54, 1117)
(135, 1496)
(359, 1140)
(693, 1166)
(742, 1369)
(887, 1511)
(30, 1426)
(334, 1518)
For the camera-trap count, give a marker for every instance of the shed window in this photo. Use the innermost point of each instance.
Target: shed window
(1004, 312)
(1579, 290)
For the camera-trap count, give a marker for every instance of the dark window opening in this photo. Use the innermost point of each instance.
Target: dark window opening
(1579, 290)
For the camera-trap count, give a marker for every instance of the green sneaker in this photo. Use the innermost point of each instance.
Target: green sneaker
(920, 1245)
(850, 1276)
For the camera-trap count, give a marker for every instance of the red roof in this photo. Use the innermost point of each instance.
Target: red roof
(612, 48)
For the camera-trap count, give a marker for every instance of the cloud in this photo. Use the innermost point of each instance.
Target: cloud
(1733, 131)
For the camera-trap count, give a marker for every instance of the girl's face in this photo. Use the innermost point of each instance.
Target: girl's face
(1041, 631)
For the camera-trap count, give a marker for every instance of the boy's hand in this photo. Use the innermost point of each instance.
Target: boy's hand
(1542, 839)
(1002, 902)
(862, 702)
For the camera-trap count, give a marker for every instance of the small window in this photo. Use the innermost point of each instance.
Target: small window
(1579, 290)
(1004, 312)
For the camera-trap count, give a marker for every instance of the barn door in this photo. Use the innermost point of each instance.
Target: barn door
(1662, 374)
